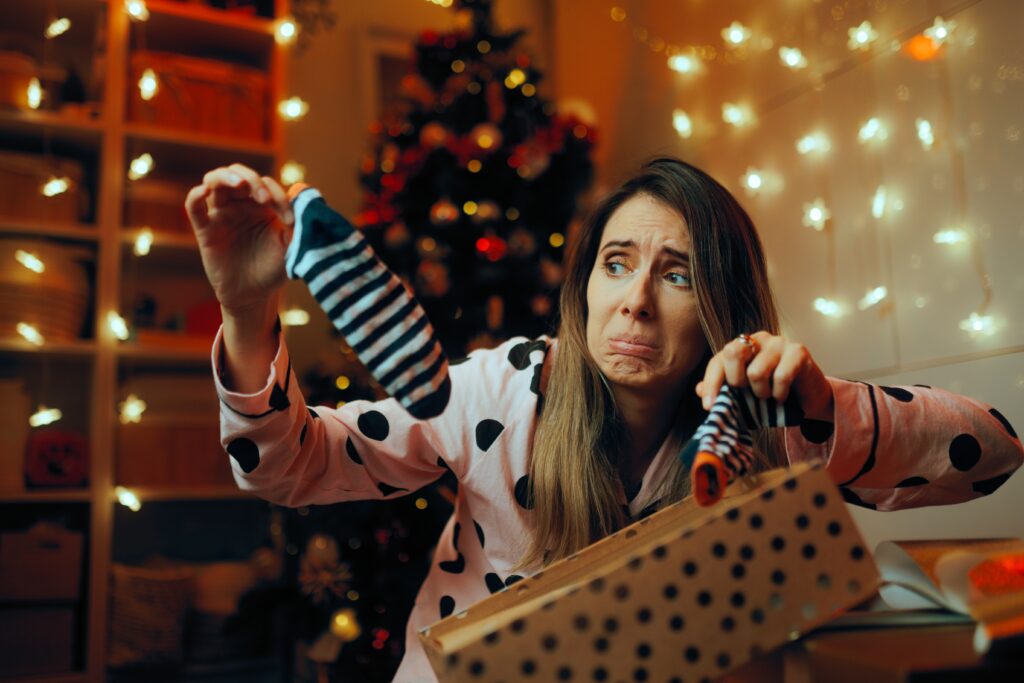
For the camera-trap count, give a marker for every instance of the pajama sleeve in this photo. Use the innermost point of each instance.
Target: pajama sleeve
(890, 448)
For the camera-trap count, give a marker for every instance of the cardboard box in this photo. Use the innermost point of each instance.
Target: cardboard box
(36, 640)
(688, 592)
(42, 563)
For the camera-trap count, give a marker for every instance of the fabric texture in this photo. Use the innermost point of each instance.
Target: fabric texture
(888, 448)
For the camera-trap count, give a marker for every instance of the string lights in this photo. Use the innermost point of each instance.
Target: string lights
(861, 37)
(57, 27)
(141, 166)
(44, 416)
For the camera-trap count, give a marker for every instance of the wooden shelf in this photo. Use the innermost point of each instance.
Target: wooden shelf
(67, 349)
(164, 494)
(69, 677)
(182, 151)
(202, 15)
(60, 126)
(162, 239)
(66, 231)
(158, 348)
(46, 496)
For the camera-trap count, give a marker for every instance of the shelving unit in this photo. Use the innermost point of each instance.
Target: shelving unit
(100, 364)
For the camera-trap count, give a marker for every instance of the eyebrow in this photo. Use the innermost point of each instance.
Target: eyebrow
(630, 244)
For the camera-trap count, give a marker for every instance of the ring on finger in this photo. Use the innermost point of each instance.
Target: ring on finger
(749, 342)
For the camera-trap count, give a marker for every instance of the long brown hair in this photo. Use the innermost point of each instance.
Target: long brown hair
(579, 433)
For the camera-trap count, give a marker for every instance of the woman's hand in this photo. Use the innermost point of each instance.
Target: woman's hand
(243, 225)
(771, 366)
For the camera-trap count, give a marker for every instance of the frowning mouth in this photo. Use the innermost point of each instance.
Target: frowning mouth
(632, 346)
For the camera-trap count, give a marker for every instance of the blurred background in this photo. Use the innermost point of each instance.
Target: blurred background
(877, 144)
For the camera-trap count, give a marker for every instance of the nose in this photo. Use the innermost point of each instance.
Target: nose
(639, 299)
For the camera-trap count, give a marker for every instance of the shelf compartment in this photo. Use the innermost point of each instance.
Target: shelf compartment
(182, 154)
(206, 32)
(78, 232)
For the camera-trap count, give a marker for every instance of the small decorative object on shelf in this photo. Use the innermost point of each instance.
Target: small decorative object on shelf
(56, 458)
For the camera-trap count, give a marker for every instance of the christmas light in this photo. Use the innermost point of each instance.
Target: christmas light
(140, 166)
(30, 333)
(529, 90)
(344, 625)
(753, 180)
(950, 236)
(458, 66)
(148, 85)
(861, 36)
(57, 27)
(685, 64)
(872, 297)
(978, 325)
(44, 416)
(469, 208)
(127, 498)
(286, 32)
(34, 93)
(515, 78)
(342, 382)
(618, 14)
(556, 239)
(292, 109)
(55, 186)
(295, 317)
(681, 122)
(117, 325)
(737, 115)
(292, 172)
(816, 142)
(816, 214)
(131, 409)
(29, 260)
(939, 31)
(827, 307)
(143, 242)
(873, 129)
(512, 213)
(421, 503)
(878, 202)
(483, 47)
(735, 34)
(924, 133)
(137, 10)
(474, 166)
(792, 58)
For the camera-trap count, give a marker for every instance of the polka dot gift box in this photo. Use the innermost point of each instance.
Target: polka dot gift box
(687, 594)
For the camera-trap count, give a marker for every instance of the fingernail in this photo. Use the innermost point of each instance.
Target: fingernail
(262, 195)
(234, 178)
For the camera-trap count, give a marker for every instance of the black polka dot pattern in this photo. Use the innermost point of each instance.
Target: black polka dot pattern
(1003, 421)
(816, 431)
(279, 399)
(245, 452)
(853, 499)
(899, 394)
(479, 533)
(535, 382)
(524, 492)
(964, 452)
(350, 448)
(519, 355)
(374, 425)
(486, 433)
(302, 434)
(493, 582)
(313, 413)
(988, 486)
(447, 605)
(912, 481)
(388, 489)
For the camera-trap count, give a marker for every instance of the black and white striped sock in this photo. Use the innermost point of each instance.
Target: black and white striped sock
(726, 432)
(368, 305)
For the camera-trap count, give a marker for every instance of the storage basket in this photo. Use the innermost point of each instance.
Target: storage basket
(55, 301)
(157, 204)
(147, 614)
(22, 177)
(201, 95)
(16, 72)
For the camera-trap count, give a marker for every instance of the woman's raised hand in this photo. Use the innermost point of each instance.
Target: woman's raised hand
(243, 224)
(771, 366)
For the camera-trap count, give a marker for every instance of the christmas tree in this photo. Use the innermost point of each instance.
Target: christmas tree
(472, 184)
(469, 192)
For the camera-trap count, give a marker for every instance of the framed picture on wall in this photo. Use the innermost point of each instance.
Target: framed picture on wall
(386, 56)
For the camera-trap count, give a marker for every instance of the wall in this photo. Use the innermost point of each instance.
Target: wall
(973, 176)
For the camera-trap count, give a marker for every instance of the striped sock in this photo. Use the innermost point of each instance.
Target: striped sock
(726, 432)
(368, 305)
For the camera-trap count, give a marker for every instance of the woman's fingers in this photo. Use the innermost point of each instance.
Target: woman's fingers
(195, 205)
(762, 366)
(279, 200)
(714, 376)
(791, 364)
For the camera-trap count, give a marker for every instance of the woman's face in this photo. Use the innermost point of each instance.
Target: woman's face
(642, 325)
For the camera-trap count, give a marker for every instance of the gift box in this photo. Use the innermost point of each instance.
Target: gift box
(688, 593)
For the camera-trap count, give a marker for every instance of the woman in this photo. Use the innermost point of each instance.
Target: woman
(557, 442)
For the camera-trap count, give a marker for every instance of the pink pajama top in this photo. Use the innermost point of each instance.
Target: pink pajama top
(888, 448)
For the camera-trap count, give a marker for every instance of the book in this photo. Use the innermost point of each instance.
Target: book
(979, 578)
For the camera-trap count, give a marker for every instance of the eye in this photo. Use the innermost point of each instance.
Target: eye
(614, 267)
(678, 279)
